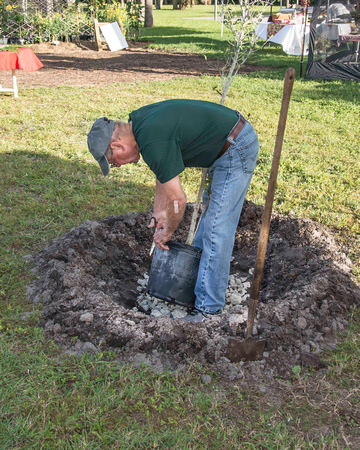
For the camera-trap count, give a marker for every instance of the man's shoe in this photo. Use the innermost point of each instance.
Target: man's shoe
(195, 316)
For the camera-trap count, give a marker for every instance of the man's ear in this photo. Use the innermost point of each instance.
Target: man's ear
(116, 145)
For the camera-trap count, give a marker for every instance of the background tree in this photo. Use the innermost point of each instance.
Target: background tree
(158, 4)
(149, 19)
(241, 20)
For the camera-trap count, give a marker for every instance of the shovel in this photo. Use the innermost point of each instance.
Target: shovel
(251, 349)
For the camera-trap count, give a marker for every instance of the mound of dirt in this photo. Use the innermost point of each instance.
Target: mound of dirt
(88, 284)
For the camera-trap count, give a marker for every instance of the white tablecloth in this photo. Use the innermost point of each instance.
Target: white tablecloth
(332, 31)
(290, 37)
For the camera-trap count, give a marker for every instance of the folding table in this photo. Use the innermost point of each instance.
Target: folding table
(21, 58)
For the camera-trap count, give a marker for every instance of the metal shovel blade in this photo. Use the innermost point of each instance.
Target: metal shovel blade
(245, 350)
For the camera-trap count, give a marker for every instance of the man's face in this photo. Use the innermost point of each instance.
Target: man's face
(123, 155)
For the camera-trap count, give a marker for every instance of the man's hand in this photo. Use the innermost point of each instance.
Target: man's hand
(158, 219)
(169, 207)
(161, 237)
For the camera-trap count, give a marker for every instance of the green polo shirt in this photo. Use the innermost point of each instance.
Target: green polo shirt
(175, 134)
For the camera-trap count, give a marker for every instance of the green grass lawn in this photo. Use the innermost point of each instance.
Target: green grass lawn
(49, 184)
(192, 30)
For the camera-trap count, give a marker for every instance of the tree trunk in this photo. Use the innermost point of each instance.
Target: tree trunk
(175, 4)
(158, 4)
(195, 215)
(149, 20)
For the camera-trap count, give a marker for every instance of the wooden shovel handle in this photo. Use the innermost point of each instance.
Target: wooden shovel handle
(266, 218)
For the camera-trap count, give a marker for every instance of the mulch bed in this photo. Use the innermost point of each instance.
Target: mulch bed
(70, 64)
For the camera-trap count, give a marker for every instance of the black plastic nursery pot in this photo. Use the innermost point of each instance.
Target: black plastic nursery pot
(173, 273)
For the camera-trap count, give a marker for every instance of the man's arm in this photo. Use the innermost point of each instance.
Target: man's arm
(172, 197)
(159, 207)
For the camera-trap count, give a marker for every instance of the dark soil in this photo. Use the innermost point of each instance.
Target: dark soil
(87, 282)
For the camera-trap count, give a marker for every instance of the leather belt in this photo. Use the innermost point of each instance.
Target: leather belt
(235, 131)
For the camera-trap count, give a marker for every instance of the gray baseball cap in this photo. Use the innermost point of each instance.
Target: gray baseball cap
(98, 141)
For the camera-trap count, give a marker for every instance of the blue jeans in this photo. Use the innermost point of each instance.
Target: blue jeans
(230, 178)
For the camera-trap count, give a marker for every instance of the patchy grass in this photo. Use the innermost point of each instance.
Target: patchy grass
(50, 183)
(50, 400)
(53, 401)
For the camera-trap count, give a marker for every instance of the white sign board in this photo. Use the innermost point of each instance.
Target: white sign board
(113, 36)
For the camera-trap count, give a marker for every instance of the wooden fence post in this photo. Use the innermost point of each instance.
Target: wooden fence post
(97, 35)
(119, 21)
